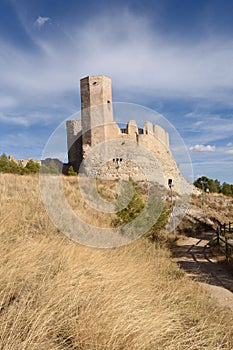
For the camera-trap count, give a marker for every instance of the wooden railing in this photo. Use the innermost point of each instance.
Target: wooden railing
(226, 228)
(224, 239)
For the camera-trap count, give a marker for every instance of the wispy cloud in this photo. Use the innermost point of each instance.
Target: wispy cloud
(206, 128)
(229, 151)
(40, 21)
(16, 120)
(21, 144)
(42, 118)
(7, 102)
(122, 46)
(202, 148)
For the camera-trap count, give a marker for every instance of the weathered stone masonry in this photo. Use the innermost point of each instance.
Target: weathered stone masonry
(97, 125)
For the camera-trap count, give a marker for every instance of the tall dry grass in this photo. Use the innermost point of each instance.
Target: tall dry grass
(56, 294)
(81, 206)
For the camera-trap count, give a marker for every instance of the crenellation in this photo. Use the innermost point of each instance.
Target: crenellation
(132, 128)
(148, 128)
(160, 134)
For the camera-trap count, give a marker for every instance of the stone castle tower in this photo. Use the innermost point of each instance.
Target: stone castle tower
(97, 126)
(96, 111)
(95, 91)
(96, 116)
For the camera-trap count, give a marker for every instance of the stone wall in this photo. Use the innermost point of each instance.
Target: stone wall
(139, 156)
(74, 143)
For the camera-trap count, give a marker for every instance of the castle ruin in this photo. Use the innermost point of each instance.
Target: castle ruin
(102, 148)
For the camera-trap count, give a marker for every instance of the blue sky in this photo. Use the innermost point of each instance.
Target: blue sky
(175, 57)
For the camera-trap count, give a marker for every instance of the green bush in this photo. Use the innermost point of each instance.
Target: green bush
(215, 186)
(71, 171)
(160, 224)
(16, 167)
(32, 167)
(227, 189)
(51, 168)
(136, 205)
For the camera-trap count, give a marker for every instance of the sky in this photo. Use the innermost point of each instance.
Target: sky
(172, 56)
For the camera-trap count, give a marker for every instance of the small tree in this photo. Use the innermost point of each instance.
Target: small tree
(134, 207)
(32, 167)
(203, 179)
(53, 168)
(49, 168)
(212, 185)
(71, 171)
(4, 164)
(44, 169)
(227, 189)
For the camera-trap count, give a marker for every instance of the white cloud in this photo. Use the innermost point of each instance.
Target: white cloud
(210, 129)
(126, 48)
(22, 145)
(32, 118)
(230, 144)
(16, 120)
(130, 51)
(202, 148)
(230, 151)
(40, 21)
(7, 101)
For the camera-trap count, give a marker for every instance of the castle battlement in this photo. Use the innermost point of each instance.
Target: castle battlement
(148, 129)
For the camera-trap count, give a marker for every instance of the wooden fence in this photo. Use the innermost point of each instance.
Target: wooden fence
(224, 239)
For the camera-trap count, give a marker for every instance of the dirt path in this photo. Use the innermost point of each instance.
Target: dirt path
(194, 256)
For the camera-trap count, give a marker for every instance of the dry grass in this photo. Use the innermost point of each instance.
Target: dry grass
(198, 219)
(81, 207)
(56, 294)
(217, 207)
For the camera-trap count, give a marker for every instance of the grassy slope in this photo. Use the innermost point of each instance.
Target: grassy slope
(55, 294)
(217, 209)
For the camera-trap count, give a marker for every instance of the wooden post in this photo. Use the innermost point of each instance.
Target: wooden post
(226, 247)
(224, 229)
(218, 234)
(220, 229)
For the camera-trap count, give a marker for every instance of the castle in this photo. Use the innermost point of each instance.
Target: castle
(103, 149)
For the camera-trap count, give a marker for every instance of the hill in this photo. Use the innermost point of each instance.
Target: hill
(57, 294)
(207, 213)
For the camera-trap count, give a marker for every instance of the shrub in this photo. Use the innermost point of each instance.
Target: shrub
(71, 171)
(51, 168)
(32, 167)
(136, 206)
